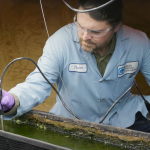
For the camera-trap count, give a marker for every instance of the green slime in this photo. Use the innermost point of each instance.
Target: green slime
(56, 138)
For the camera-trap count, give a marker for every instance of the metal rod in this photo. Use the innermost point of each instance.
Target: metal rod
(115, 104)
(145, 101)
(2, 123)
(71, 111)
(84, 11)
(44, 18)
(139, 91)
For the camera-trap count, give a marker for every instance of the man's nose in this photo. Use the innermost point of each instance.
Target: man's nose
(86, 36)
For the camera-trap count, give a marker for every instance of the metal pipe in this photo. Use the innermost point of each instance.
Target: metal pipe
(115, 104)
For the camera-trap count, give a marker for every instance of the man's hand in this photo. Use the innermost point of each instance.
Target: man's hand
(7, 101)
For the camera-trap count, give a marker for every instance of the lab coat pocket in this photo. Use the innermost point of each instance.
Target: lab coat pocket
(121, 86)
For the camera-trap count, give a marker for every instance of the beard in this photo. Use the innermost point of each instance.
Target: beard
(90, 46)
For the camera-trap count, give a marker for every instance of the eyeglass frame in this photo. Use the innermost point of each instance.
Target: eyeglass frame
(88, 30)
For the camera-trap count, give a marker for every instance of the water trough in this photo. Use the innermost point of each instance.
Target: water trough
(93, 131)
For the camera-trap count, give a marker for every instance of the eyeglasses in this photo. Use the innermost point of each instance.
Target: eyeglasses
(92, 33)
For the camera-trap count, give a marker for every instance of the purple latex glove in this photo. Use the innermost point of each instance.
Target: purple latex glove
(7, 101)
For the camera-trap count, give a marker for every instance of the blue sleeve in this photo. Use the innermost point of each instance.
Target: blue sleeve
(35, 89)
(145, 66)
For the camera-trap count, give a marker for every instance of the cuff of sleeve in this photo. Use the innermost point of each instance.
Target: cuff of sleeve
(13, 111)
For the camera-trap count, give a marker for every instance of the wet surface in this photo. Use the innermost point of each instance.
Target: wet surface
(64, 140)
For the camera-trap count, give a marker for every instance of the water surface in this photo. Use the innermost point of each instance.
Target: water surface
(60, 139)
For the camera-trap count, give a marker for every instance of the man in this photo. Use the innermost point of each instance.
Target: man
(93, 62)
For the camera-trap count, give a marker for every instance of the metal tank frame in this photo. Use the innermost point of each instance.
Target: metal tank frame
(14, 141)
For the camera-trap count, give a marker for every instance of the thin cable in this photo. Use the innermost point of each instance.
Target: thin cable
(44, 78)
(146, 102)
(56, 61)
(2, 123)
(84, 11)
(115, 104)
(139, 92)
(44, 18)
(64, 85)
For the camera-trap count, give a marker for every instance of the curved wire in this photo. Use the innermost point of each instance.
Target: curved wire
(56, 60)
(44, 78)
(84, 11)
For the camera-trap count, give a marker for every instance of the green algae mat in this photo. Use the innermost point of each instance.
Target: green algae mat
(60, 139)
(76, 134)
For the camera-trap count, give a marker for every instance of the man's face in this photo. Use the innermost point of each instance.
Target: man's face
(89, 43)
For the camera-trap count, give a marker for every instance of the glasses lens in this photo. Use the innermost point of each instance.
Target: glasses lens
(97, 34)
(91, 32)
(80, 29)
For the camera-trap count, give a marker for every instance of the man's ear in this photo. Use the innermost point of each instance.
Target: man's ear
(117, 27)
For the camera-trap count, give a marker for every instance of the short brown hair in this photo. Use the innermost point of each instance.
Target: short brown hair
(111, 13)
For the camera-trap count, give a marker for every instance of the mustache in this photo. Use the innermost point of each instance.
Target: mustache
(87, 41)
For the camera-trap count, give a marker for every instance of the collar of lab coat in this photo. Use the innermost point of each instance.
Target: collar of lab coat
(121, 44)
(123, 35)
(74, 34)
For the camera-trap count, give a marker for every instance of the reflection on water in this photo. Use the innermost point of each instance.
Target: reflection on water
(55, 138)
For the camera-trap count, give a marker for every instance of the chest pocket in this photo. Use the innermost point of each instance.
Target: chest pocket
(121, 86)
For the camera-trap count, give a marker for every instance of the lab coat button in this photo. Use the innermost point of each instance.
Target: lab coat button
(101, 80)
(101, 100)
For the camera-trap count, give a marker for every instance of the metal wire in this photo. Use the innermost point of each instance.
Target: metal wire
(88, 10)
(2, 123)
(44, 18)
(72, 112)
(44, 78)
(115, 104)
(145, 101)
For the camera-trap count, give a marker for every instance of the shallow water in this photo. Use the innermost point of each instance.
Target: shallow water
(64, 140)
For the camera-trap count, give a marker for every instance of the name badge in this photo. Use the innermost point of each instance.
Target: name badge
(129, 67)
(82, 68)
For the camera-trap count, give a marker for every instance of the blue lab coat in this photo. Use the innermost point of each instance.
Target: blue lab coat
(83, 89)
